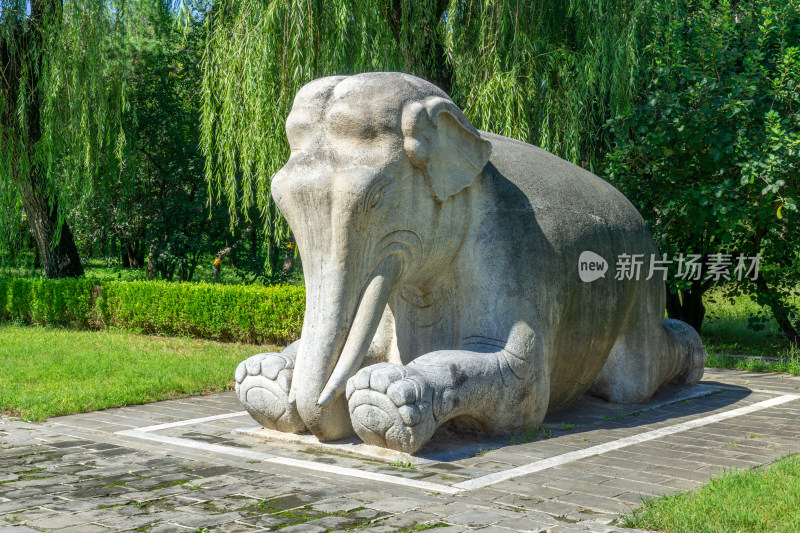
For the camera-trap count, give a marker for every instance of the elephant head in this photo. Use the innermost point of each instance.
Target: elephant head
(374, 191)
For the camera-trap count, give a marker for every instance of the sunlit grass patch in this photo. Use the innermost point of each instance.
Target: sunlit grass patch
(726, 331)
(758, 500)
(48, 372)
(787, 361)
(726, 334)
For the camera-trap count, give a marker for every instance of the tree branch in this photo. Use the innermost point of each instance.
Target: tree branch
(222, 254)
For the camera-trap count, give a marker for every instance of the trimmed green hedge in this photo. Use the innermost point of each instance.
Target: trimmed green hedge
(243, 313)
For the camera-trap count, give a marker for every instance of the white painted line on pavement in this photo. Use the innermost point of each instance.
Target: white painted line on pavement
(558, 460)
(766, 391)
(476, 483)
(189, 422)
(286, 461)
(197, 445)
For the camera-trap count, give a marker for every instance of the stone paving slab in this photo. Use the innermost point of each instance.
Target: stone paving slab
(77, 473)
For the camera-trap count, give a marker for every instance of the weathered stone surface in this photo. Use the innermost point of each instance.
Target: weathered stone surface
(441, 278)
(398, 504)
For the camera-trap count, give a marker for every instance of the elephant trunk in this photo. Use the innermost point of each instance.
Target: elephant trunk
(370, 310)
(337, 331)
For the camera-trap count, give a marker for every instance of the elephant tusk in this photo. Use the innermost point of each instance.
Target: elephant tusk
(327, 396)
(370, 310)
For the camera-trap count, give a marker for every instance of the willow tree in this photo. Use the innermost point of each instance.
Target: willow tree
(549, 72)
(61, 108)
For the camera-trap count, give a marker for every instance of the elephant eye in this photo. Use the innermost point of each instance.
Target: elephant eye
(375, 197)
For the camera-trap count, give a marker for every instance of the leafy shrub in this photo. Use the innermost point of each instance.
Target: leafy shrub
(710, 151)
(220, 312)
(66, 302)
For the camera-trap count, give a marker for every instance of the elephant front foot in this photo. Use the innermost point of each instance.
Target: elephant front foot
(262, 385)
(391, 406)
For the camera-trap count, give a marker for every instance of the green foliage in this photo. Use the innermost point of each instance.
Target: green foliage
(71, 80)
(99, 120)
(728, 326)
(710, 152)
(547, 72)
(154, 202)
(61, 100)
(98, 271)
(757, 500)
(66, 302)
(115, 149)
(531, 434)
(51, 372)
(220, 312)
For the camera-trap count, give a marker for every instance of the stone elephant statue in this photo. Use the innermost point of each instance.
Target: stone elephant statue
(442, 283)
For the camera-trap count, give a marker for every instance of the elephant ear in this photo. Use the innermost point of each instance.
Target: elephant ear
(440, 141)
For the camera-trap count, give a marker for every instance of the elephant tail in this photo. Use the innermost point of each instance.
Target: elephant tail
(688, 344)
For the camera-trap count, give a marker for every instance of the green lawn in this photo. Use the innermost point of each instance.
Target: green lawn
(788, 362)
(48, 372)
(752, 501)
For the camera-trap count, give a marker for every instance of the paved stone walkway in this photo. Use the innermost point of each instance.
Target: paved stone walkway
(178, 467)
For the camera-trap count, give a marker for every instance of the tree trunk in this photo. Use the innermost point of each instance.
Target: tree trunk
(37, 260)
(168, 271)
(687, 305)
(59, 257)
(288, 258)
(126, 260)
(132, 256)
(779, 311)
(225, 252)
(193, 265)
(273, 255)
(152, 262)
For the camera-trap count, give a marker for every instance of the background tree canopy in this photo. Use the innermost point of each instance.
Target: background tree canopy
(59, 113)
(710, 152)
(547, 72)
(100, 113)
